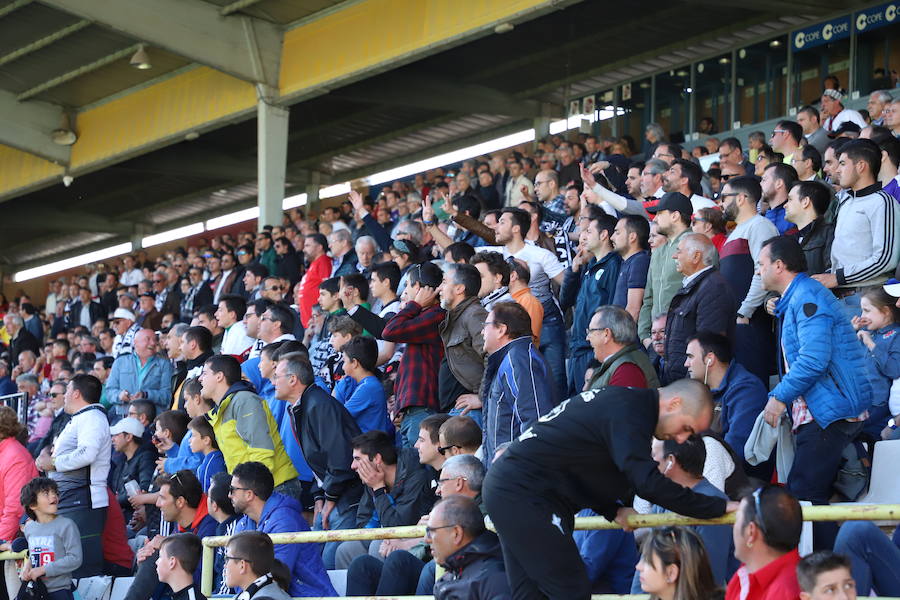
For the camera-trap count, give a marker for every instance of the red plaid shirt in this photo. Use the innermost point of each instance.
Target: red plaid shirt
(417, 377)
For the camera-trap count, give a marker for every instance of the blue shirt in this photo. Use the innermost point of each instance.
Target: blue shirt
(212, 463)
(778, 218)
(632, 275)
(368, 405)
(884, 362)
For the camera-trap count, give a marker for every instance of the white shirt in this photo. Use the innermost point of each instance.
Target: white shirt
(85, 442)
(132, 277)
(698, 202)
(235, 339)
(543, 264)
(832, 123)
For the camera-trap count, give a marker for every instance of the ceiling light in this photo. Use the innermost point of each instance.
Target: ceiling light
(240, 216)
(775, 44)
(64, 135)
(141, 60)
(71, 263)
(171, 235)
(724, 60)
(504, 28)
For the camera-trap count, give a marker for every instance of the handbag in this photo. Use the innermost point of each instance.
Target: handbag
(33, 590)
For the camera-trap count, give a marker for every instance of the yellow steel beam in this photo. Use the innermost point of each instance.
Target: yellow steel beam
(331, 50)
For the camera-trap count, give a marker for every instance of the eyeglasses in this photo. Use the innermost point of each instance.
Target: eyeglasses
(55, 394)
(443, 449)
(727, 176)
(729, 194)
(227, 558)
(452, 479)
(429, 531)
(774, 131)
(232, 489)
(589, 330)
(759, 516)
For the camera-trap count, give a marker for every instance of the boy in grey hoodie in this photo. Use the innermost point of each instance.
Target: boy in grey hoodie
(54, 542)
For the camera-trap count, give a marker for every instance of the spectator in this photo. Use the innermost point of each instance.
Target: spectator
(865, 248)
(148, 317)
(685, 177)
(519, 279)
(254, 274)
(323, 427)
(462, 368)
(230, 282)
(740, 395)
(287, 261)
(205, 316)
(417, 324)
(825, 574)
(827, 392)
(494, 271)
(7, 385)
(711, 223)
(808, 163)
(673, 220)
(731, 154)
(877, 330)
(675, 564)
(766, 533)
(776, 182)
(141, 374)
(556, 463)
(331, 376)
(833, 109)
(198, 294)
(60, 418)
(53, 544)
(340, 242)
(123, 322)
(428, 443)
(266, 511)
(518, 186)
(806, 208)
(80, 463)
(786, 138)
(196, 348)
(384, 280)
(650, 183)
(20, 339)
(366, 248)
(263, 576)
(873, 556)
(469, 552)
(179, 556)
(330, 303)
(459, 435)
(816, 136)
(16, 469)
(590, 282)
(631, 241)
(136, 463)
(220, 508)
(203, 441)
(244, 427)
(230, 317)
(517, 386)
(704, 303)
(367, 401)
(613, 337)
(84, 312)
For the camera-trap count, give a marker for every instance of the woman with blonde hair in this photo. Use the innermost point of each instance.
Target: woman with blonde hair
(674, 566)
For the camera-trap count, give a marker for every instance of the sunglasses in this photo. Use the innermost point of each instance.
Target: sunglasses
(443, 450)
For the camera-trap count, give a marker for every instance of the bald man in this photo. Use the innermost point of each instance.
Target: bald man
(139, 375)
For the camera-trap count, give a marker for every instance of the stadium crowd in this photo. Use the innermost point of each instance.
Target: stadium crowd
(589, 329)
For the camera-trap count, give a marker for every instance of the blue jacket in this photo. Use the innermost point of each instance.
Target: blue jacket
(884, 362)
(609, 556)
(211, 464)
(157, 383)
(742, 397)
(283, 514)
(368, 405)
(827, 363)
(779, 220)
(184, 458)
(594, 285)
(516, 391)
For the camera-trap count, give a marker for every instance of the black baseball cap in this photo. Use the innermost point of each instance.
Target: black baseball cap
(674, 201)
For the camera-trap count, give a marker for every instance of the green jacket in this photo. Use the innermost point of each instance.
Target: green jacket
(629, 354)
(663, 281)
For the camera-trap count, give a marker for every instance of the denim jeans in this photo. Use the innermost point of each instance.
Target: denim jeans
(475, 415)
(578, 363)
(397, 575)
(553, 347)
(817, 459)
(409, 427)
(875, 558)
(342, 517)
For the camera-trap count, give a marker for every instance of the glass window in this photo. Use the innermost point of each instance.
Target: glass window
(820, 51)
(672, 97)
(634, 113)
(761, 81)
(712, 92)
(877, 49)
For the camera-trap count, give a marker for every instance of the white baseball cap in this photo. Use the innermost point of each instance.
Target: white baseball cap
(892, 287)
(123, 313)
(128, 425)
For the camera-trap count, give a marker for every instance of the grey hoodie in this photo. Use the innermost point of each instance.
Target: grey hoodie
(56, 546)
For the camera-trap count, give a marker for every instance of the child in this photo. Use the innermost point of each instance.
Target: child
(203, 440)
(250, 564)
(179, 556)
(877, 328)
(343, 328)
(367, 401)
(54, 543)
(825, 574)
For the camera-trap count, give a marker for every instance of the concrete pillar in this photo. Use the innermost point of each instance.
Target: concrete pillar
(312, 193)
(272, 136)
(541, 129)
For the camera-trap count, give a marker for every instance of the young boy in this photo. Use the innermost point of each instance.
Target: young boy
(54, 543)
(343, 328)
(330, 304)
(203, 440)
(367, 401)
(825, 575)
(179, 556)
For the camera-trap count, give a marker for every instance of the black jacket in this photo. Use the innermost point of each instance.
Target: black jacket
(706, 304)
(410, 497)
(324, 428)
(25, 340)
(96, 311)
(289, 266)
(56, 426)
(139, 468)
(593, 451)
(475, 572)
(815, 239)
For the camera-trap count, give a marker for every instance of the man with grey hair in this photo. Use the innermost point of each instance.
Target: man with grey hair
(366, 249)
(876, 104)
(612, 334)
(28, 384)
(20, 339)
(705, 301)
(650, 184)
(343, 256)
(462, 474)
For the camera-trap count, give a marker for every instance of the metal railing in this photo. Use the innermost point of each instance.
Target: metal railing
(845, 512)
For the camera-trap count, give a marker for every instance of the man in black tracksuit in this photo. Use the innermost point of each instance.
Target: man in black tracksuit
(592, 451)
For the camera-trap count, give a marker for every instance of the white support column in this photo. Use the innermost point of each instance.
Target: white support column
(541, 129)
(272, 127)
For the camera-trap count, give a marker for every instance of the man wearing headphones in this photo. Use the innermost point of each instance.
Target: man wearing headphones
(739, 395)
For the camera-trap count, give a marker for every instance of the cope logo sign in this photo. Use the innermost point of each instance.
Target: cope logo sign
(822, 34)
(877, 17)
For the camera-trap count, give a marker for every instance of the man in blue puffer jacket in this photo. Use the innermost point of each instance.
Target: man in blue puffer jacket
(252, 494)
(823, 370)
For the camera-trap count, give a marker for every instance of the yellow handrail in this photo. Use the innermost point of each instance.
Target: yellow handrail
(841, 512)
